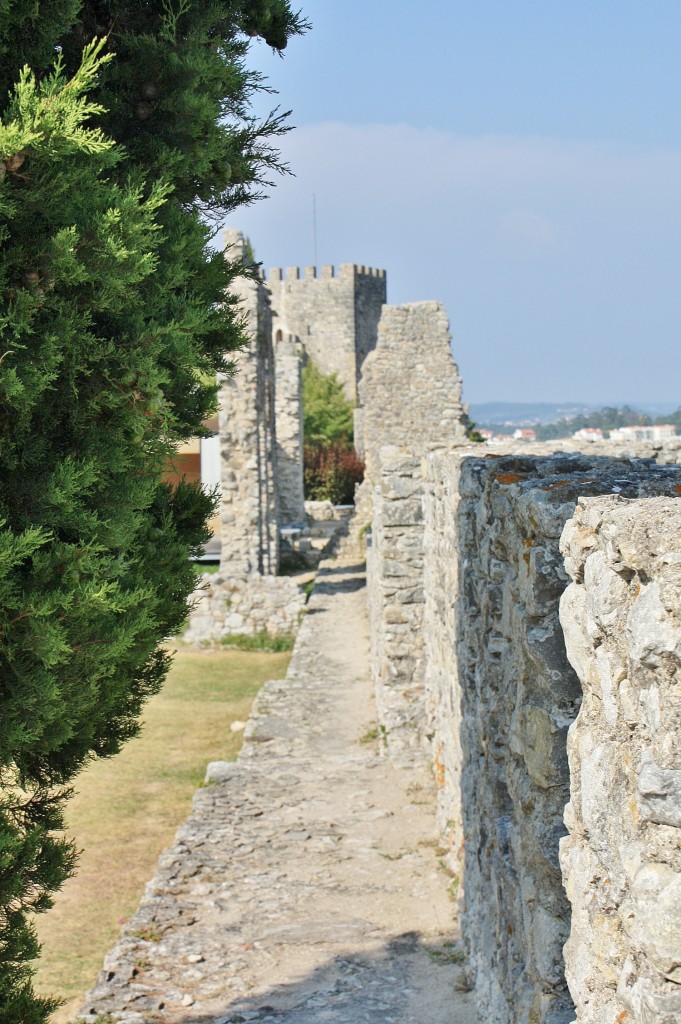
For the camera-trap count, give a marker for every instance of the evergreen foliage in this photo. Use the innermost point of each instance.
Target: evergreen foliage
(331, 468)
(115, 157)
(327, 414)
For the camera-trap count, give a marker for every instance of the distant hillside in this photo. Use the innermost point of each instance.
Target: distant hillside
(532, 414)
(606, 419)
(526, 414)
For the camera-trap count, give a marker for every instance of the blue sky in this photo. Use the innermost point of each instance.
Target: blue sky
(519, 161)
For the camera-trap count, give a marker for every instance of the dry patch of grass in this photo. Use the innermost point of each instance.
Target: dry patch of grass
(126, 809)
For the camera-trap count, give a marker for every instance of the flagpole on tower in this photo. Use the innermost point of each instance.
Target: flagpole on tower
(314, 225)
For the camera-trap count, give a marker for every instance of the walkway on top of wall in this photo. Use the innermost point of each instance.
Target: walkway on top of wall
(305, 886)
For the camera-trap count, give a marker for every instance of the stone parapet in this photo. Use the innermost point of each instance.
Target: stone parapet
(501, 695)
(410, 395)
(442, 565)
(442, 695)
(621, 862)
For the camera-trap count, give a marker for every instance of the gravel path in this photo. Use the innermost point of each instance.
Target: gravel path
(304, 888)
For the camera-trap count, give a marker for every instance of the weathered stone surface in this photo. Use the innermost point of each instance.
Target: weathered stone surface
(410, 390)
(224, 607)
(501, 695)
(622, 859)
(659, 792)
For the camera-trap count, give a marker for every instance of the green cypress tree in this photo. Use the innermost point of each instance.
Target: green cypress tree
(327, 413)
(115, 160)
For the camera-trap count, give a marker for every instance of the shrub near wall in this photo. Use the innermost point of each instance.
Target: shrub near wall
(331, 473)
(331, 467)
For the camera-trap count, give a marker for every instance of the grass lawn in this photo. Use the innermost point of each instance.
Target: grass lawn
(126, 809)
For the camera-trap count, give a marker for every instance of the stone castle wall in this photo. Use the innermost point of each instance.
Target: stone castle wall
(410, 403)
(621, 617)
(332, 319)
(519, 694)
(224, 605)
(442, 567)
(410, 390)
(442, 695)
(289, 428)
(334, 315)
(261, 481)
(249, 511)
(500, 695)
(465, 578)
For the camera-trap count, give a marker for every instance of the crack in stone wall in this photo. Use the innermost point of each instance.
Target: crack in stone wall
(621, 862)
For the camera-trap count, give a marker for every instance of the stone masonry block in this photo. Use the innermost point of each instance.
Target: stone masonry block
(622, 858)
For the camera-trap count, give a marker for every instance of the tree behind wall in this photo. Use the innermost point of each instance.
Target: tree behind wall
(112, 166)
(331, 467)
(327, 414)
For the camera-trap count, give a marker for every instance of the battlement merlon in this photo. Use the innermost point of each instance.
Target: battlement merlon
(326, 272)
(234, 243)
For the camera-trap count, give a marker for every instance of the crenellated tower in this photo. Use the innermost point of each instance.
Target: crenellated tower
(334, 314)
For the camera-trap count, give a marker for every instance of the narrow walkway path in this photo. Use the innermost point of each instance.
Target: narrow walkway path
(304, 888)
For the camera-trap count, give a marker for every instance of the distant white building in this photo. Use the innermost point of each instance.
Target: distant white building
(588, 434)
(661, 431)
(525, 434)
(491, 438)
(657, 432)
